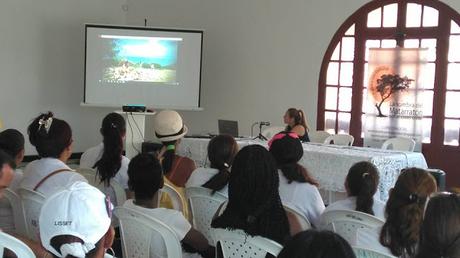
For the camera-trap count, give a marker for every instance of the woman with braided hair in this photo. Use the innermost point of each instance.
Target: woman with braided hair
(254, 204)
(298, 189)
(440, 233)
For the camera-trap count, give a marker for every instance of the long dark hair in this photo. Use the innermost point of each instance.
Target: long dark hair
(287, 152)
(440, 233)
(362, 181)
(317, 244)
(221, 152)
(299, 118)
(168, 156)
(52, 141)
(254, 204)
(113, 129)
(404, 211)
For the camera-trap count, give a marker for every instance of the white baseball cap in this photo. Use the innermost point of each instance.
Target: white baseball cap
(80, 210)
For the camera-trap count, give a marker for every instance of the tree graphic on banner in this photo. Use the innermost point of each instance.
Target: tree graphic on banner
(387, 85)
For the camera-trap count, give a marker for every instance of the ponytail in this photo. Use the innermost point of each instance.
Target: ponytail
(299, 118)
(303, 121)
(222, 150)
(168, 156)
(113, 129)
(362, 182)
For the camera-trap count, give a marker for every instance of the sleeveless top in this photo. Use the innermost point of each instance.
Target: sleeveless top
(303, 138)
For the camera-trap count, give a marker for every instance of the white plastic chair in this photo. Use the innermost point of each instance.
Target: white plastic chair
(340, 139)
(346, 222)
(136, 234)
(271, 131)
(15, 245)
(236, 243)
(203, 205)
(176, 198)
(301, 219)
(318, 136)
(18, 211)
(399, 143)
(32, 203)
(369, 253)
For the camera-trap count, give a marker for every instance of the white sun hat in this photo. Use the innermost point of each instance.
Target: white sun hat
(79, 210)
(168, 126)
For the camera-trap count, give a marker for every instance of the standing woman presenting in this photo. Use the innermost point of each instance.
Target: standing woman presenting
(295, 120)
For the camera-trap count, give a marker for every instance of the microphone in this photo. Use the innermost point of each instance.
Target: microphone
(266, 123)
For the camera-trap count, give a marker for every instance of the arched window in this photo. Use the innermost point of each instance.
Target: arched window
(389, 23)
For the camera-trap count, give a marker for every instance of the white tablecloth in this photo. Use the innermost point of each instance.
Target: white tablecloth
(329, 164)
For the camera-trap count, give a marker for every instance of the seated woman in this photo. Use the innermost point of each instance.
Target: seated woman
(169, 129)
(145, 180)
(12, 142)
(361, 185)
(221, 152)
(107, 158)
(440, 233)
(400, 234)
(254, 205)
(52, 138)
(317, 244)
(6, 177)
(75, 222)
(297, 188)
(295, 120)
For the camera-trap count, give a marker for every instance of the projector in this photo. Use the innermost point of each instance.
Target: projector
(133, 108)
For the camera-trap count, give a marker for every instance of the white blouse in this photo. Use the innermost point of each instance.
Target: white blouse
(350, 204)
(91, 156)
(202, 175)
(303, 197)
(36, 170)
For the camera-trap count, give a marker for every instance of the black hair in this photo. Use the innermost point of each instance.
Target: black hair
(317, 244)
(145, 176)
(5, 158)
(57, 241)
(113, 129)
(221, 152)
(440, 233)
(12, 142)
(362, 182)
(287, 152)
(168, 156)
(254, 204)
(52, 141)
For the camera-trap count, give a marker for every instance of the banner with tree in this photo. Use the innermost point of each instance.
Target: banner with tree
(394, 101)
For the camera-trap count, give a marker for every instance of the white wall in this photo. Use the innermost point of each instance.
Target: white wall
(42, 62)
(260, 56)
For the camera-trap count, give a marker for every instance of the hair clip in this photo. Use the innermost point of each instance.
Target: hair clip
(365, 175)
(45, 123)
(113, 125)
(226, 165)
(171, 147)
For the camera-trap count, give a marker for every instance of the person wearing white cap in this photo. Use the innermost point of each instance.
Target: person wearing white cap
(169, 129)
(75, 222)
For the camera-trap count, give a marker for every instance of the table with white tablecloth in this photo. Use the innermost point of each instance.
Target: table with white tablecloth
(328, 164)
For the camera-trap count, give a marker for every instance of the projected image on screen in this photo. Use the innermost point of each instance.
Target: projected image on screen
(141, 59)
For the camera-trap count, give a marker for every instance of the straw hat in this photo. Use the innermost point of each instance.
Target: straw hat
(168, 126)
